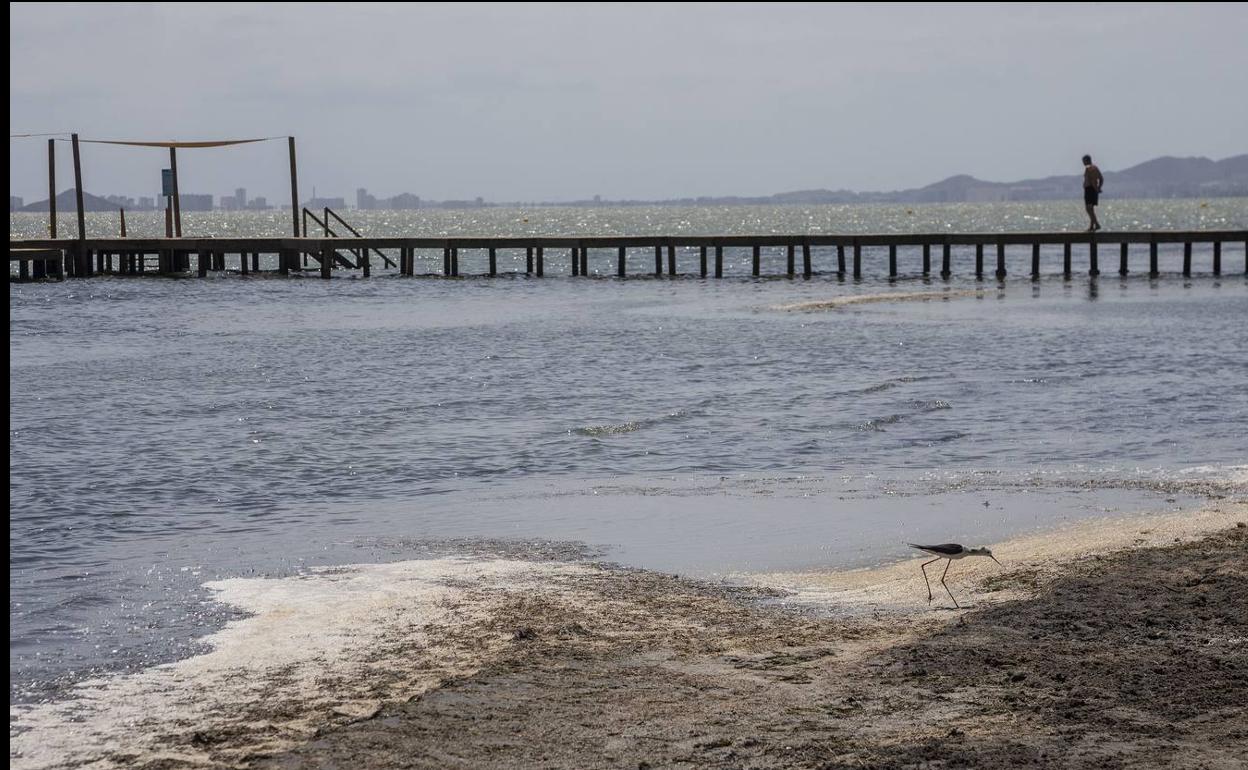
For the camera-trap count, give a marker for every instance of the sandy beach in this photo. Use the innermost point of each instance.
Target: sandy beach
(1117, 642)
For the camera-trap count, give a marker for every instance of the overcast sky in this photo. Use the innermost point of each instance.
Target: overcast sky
(554, 102)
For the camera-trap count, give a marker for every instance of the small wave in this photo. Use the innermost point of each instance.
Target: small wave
(863, 299)
(629, 427)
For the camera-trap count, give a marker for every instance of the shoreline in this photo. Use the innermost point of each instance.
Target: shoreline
(472, 661)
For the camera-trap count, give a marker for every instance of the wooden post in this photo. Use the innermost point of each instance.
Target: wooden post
(757, 260)
(528, 260)
(620, 260)
(493, 261)
(576, 262)
(671, 260)
(840, 259)
(658, 261)
(446, 261)
(719, 261)
(455, 261)
(204, 256)
(327, 258)
(1152, 259)
(294, 189)
(857, 259)
(792, 260)
(584, 261)
(1217, 257)
(702, 261)
(1122, 259)
(892, 261)
(1000, 260)
(1035, 261)
(540, 262)
(51, 188)
(946, 261)
(1066, 259)
(1093, 268)
(1187, 259)
(927, 259)
(78, 189)
(806, 264)
(122, 212)
(979, 261)
(255, 262)
(242, 263)
(177, 198)
(365, 263)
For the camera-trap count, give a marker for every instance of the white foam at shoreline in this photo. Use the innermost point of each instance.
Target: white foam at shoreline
(325, 647)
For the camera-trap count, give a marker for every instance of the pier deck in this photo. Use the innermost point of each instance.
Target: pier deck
(839, 254)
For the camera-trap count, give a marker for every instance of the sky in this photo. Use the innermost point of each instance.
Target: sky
(551, 102)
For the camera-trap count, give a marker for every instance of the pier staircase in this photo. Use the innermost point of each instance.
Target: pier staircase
(340, 260)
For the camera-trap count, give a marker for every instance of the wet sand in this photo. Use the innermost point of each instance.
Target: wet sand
(1113, 643)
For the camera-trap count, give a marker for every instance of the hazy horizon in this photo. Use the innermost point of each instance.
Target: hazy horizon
(554, 103)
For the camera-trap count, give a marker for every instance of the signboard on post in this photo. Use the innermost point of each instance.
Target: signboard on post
(166, 182)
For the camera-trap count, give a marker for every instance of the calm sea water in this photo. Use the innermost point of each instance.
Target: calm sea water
(167, 432)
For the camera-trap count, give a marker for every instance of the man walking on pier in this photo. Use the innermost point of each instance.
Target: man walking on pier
(1092, 183)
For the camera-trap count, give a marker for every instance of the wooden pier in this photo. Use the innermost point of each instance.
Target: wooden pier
(874, 255)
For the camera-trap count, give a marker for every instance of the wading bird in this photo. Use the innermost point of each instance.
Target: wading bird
(949, 552)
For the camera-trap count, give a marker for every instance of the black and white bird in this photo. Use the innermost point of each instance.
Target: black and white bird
(949, 552)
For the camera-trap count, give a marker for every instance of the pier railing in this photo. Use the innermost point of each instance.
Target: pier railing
(843, 255)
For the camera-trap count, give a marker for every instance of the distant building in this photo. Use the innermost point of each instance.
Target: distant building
(147, 203)
(122, 201)
(194, 202)
(235, 202)
(15, 203)
(320, 203)
(364, 201)
(259, 203)
(403, 201)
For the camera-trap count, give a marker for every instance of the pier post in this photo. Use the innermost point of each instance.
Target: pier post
(294, 188)
(1217, 257)
(1187, 259)
(792, 263)
(927, 259)
(584, 261)
(51, 188)
(658, 261)
(455, 261)
(946, 261)
(177, 198)
(1122, 259)
(840, 260)
(327, 259)
(621, 259)
(1153, 272)
(446, 261)
(1000, 260)
(528, 260)
(255, 261)
(979, 261)
(719, 262)
(202, 264)
(365, 263)
(892, 261)
(702, 261)
(857, 259)
(1093, 268)
(576, 262)
(541, 262)
(242, 263)
(1035, 261)
(806, 265)
(671, 260)
(757, 260)
(1066, 259)
(493, 261)
(78, 192)
(122, 212)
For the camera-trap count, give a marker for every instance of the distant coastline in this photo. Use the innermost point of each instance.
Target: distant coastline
(1164, 177)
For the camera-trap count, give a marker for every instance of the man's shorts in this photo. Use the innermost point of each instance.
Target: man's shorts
(1090, 196)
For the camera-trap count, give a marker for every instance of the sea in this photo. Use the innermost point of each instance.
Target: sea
(168, 432)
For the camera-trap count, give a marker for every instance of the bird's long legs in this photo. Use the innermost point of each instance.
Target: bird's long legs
(923, 567)
(942, 582)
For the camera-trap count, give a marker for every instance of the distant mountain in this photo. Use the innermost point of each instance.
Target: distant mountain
(66, 201)
(1165, 177)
